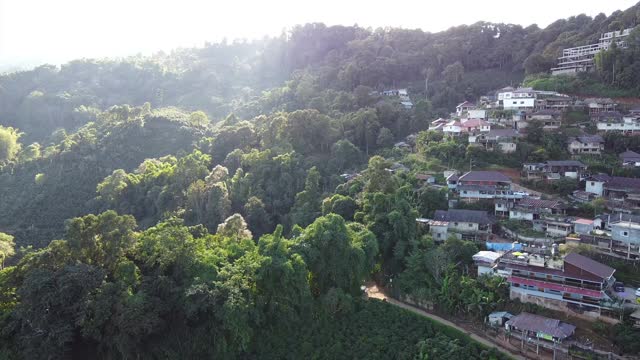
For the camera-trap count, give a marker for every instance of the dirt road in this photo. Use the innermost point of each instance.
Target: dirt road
(374, 292)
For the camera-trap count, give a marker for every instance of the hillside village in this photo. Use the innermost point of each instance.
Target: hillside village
(531, 219)
(326, 192)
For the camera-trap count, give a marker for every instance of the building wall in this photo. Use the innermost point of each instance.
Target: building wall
(439, 233)
(594, 187)
(622, 126)
(519, 103)
(576, 147)
(582, 228)
(618, 233)
(477, 114)
(463, 226)
(520, 215)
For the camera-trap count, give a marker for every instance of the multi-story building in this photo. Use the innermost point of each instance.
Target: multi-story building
(477, 114)
(616, 190)
(503, 140)
(630, 159)
(626, 229)
(465, 224)
(554, 102)
(479, 185)
(576, 282)
(621, 238)
(464, 107)
(549, 119)
(475, 126)
(452, 128)
(534, 209)
(520, 99)
(600, 105)
(581, 58)
(627, 125)
(554, 170)
(586, 145)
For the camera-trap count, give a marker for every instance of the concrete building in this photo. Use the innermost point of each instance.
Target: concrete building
(478, 185)
(630, 159)
(503, 140)
(627, 125)
(475, 126)
(549, 119)
(477, 114)
(615, 189)
(518, 99)
(485, 261)
(581, 58)
(554, 170)
(625, 229)
(466, 224)
(464, 107)
(586, 145)
(600, 105)
(583, 226)
(577, 282)
(533, 209)
(622, 238)
(452, 128)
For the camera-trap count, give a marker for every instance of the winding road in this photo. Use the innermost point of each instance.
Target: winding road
(374, 292)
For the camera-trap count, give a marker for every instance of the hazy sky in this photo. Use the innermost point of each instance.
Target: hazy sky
(60, 30)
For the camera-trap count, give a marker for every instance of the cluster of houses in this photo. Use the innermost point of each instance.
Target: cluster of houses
(617, 234)
(498, 121)
(573, 284)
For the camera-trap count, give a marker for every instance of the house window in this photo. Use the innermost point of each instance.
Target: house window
(470, 225)
(521, 102)
(455, 224)
(625, 233)
(593, 183)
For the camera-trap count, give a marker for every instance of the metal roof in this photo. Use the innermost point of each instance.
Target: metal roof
(588, 265)
(485, 176)
(545, 325)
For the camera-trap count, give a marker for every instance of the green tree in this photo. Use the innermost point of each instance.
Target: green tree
(308, 202)
(9, 145)
(337, 255)
(7, 247)
(257, 217)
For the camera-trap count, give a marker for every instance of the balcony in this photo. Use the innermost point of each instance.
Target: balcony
(574, 284)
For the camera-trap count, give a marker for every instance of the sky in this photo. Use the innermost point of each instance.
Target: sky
(56, 31)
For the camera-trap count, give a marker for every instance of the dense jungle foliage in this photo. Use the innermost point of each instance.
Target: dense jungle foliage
(196, 204)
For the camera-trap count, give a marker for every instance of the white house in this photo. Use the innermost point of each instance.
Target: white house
(519, 104)
(595, 185)
(464, 108)
(452, 128)
(473, 125)
(477, 114)
(628, 125)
